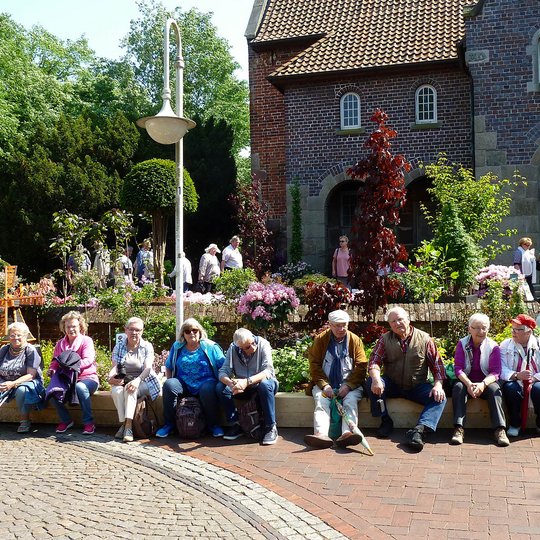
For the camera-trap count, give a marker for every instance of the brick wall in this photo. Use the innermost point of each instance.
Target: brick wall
(504, 30)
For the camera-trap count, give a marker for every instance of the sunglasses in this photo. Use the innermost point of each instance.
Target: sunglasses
(191, 331)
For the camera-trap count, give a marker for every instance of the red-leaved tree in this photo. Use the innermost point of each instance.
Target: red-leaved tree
(375, 250)
(251, 216)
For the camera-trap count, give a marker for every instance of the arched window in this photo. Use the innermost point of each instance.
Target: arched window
(350, 111)
(426, 105)
(533, 49)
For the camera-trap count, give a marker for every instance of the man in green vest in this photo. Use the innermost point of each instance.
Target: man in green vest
(405, 354)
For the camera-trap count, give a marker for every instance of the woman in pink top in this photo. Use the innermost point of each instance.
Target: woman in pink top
(74, 327)
(340, 261)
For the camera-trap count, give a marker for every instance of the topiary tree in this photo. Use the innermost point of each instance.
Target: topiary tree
(150, 187)
(296, 239)
(375, 250)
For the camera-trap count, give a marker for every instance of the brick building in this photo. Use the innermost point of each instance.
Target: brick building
(447, 75)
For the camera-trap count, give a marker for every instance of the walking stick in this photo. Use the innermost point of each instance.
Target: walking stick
(526, 393)
(352, 426)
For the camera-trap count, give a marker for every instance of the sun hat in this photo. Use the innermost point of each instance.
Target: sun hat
(212, 246)
(338, 316)
(524, 320)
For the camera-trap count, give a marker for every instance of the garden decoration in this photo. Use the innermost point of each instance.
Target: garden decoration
(352, 426)
(526, 394)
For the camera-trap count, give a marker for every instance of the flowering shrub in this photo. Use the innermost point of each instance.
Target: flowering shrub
(289, 272)
(291, 364)
(502, 274)
(263, 305)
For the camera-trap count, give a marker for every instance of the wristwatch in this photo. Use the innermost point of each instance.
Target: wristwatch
(249, 381)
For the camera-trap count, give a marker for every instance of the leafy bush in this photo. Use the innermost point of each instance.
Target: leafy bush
(291, 365)
(321, 299)
(160, 328)
(234, 283)
(289, 272)
(311, 278)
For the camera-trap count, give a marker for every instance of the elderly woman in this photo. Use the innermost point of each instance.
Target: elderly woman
(525, 262)
(477, 362)
(249, 371)
(192, 369)
(209, 268)
(20, 373)
(74, 326)
(341, 261)
(132, 359)
(520, 361)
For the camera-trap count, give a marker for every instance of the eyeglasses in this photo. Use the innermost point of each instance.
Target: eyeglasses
(342, 241)
(520, 329)
(135, 330)
(191, 331)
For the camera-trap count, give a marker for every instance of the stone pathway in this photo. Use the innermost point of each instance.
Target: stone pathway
(72, 486)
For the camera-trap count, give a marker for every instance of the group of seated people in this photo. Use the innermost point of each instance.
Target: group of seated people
(399, 366)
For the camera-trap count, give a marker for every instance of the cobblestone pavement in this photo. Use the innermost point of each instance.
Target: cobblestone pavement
(74, 486)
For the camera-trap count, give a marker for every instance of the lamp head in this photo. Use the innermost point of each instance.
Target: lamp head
(166, 127)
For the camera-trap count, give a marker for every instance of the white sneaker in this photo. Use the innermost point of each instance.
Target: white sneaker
(512, 431)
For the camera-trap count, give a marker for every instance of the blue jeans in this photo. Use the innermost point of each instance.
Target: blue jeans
(29, 395)
(173, 391)
(513, 395)
(432, 411)
(84, 389)
(266, 391)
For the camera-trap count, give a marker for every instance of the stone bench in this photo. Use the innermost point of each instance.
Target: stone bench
(292, 410)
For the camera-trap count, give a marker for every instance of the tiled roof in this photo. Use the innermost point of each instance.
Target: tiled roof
(360, 34)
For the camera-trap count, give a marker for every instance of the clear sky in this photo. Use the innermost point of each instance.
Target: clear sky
(105, 22)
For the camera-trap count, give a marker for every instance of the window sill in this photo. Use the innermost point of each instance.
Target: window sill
(425, 126)
(356, 131)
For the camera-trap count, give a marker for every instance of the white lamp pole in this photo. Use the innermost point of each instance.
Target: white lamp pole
(168, 127)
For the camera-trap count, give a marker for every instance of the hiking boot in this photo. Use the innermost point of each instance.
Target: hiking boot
(318, 441)
(63, 427)
(120, 433)
(88, 429)
(457, 437)
(233, 432)
(348, 439)
(501, 438)
(270, 437)
(128, 435)
(386, 427)
(24, 426)
(414, 439)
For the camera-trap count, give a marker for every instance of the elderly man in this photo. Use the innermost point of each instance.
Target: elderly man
(232, 258)
(406, 354)
(520, 365)
(248, 370)
(337, 364)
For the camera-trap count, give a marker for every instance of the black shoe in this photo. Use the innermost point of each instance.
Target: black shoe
(233, 432)
(386, 427)
(414, 439)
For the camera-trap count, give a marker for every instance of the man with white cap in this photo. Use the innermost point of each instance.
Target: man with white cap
(520, 365)
(208, 268)
(406, 354)
(337, 364)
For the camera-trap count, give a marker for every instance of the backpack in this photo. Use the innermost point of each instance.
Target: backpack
(145, 420)
(190, 421)
(250, 417)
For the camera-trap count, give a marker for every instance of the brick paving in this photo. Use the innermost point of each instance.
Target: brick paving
(71, 486)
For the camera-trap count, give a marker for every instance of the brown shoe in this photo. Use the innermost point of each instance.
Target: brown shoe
(318, 441)
(348, 439)
(500, 437)
(457, 437)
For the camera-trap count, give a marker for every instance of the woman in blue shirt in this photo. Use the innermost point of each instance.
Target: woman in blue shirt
(192, 370)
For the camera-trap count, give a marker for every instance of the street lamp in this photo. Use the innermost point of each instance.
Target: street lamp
(168, 127)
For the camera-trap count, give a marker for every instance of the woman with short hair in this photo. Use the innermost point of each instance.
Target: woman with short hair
(20, 373)
(192, 369)
(477, 363)
(74, 326)
(132, 360)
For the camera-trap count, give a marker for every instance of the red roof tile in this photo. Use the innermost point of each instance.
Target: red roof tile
(359, 34)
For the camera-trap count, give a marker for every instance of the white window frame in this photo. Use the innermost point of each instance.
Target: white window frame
(345, 115)
(417, 105)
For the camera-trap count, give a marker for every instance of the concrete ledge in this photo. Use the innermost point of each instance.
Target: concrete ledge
(292, 410)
